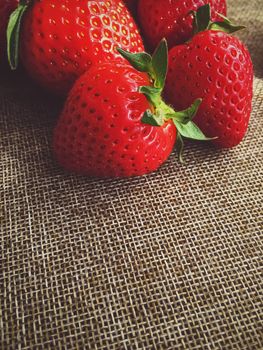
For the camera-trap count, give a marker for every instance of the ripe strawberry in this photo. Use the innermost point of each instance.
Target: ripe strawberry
(102, 131)
(171, 19)
(6, 8)
(60, 40)
(216, 67)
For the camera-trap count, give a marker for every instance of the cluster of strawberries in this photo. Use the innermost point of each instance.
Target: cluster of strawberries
(126, 109)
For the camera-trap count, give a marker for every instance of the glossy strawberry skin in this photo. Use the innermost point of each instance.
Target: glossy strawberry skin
(6, 8)
(100, 133)
(60, 40)
(217, 68)
(171, 19)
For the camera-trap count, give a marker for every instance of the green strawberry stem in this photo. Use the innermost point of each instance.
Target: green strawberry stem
(13, 33)
(156, 67)
(202, 21)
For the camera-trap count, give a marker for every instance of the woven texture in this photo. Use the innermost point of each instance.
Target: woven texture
(172, 260)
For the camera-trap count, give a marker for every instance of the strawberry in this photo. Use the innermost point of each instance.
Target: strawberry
(171, 19)
(115, 124)
(216, 67)
(60, 40)
(6, 8)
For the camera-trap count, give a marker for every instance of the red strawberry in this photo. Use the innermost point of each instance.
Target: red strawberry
(102, 131)
(60, 40)
(216, 67)
(171, 19)
(6, 8)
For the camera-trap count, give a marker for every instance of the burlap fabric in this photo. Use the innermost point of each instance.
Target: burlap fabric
(172, 260)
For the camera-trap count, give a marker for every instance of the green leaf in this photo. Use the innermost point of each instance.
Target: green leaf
(225, 26)
(152, 94)
(141, 61)
(202, 18)
(188, 114)
(179, 147)
(156, 66)
(191, 131)
(152, 119)
(202, 21)
(160, 64)
(13, 34)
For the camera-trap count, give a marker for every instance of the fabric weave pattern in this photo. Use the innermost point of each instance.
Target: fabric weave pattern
(172, 260)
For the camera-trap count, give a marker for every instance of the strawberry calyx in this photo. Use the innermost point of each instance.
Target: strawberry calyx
(156, 67)
(202, 21)
(13, 33)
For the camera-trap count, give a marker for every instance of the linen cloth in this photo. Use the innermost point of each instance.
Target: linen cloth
(171, 260)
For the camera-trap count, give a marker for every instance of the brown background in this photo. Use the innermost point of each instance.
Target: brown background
(172, 260)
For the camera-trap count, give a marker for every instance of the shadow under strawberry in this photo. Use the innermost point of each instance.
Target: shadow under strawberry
(24, 93)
